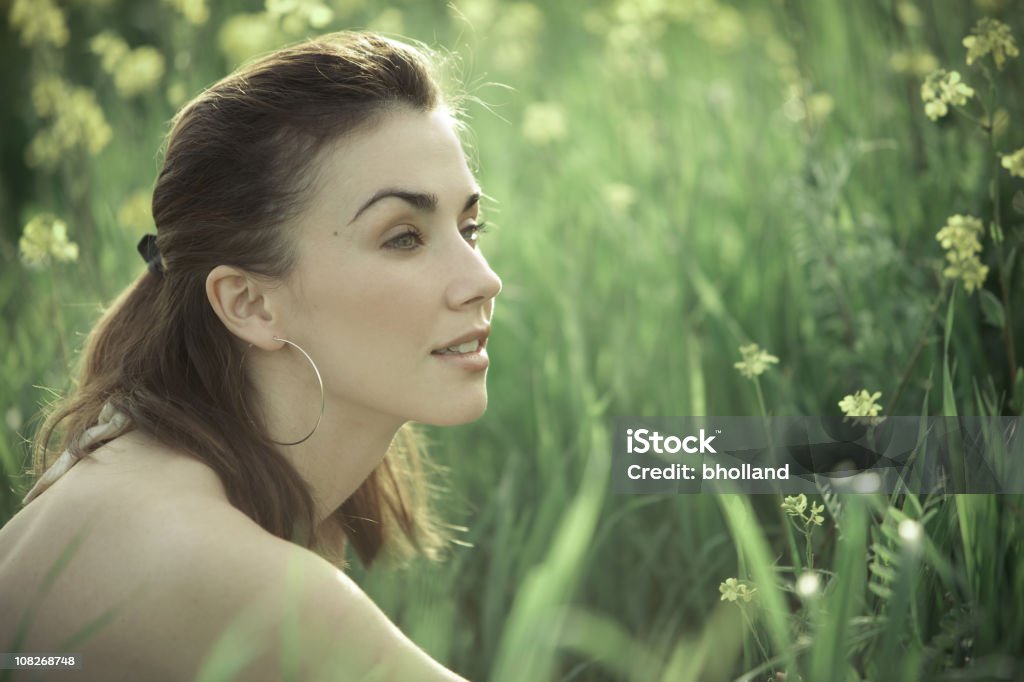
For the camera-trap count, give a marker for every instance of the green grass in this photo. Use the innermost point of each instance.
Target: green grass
(814, 239)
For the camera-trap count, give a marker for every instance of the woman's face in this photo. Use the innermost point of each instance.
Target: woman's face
(383, 280)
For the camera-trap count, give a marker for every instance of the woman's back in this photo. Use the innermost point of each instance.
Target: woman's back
(135, 561)
(96, 552)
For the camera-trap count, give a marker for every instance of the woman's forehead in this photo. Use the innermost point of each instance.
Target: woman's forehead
(405, 149)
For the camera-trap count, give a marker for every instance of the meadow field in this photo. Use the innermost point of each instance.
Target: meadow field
(697, 207)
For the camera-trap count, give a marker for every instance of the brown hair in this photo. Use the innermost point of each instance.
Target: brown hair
(239, 163)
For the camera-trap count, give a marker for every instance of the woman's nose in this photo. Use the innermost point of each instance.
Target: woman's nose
(475, 283)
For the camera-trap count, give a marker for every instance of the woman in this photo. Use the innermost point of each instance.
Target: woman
(314, 285)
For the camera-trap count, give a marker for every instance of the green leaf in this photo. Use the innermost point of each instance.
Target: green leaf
(880, 591)
(1018, 391)
(992, 309)
(948, 401)
(885, 573)
(996, 232)
(884, 553)
(1018, 201)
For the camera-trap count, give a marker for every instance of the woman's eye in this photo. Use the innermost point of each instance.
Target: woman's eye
(406, 241)
(472, 232)
(413, 239)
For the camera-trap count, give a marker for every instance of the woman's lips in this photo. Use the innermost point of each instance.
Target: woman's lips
(476, 360)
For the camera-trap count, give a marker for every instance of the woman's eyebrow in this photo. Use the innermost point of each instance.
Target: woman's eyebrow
(422, 201)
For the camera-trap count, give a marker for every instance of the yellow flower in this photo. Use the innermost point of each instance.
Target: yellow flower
(345, 8)
(961, 233)
(914, 62)
(76, 122)
(195, 11)
(515, 35)
(1015, 163)
(139, 71)
(134, 71)
(245, 35)
(45, 239)
(390, 20)
(779, 51)
(544, 123)
(909, 14)
(297, 15)
(755, 361)
(960, 237)
(47, 95)
(801, 105)
(942, 88)
(922, 62)
(935, 109)
(176, 94)
(732, 590)
(111, 49)
(954, 91)
(39, 22)
(795, 505)
(721, 27)
(819, 106)
(135, 212)
(618, 196)
(816, 516)
(990, 35)
(861, 404)
(478, 14)
(968, 268)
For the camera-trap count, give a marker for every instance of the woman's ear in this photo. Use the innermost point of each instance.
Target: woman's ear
(240, 302)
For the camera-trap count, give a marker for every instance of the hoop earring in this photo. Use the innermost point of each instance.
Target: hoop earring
(320, 381)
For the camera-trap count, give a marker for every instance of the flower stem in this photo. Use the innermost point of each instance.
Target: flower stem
(973, 119)
(753, 631)
(1004, 284)
(760, 397)
(764, 419)
(807, 544)
(922, 339)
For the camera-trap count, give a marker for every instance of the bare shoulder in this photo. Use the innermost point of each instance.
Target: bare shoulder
(182, 587)
(261, 605)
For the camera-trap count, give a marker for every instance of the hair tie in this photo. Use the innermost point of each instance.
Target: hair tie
(150, 253)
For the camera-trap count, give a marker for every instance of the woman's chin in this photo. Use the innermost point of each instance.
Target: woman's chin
(453, 416)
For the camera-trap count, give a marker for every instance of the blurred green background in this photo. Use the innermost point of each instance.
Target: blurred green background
(669, 181)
